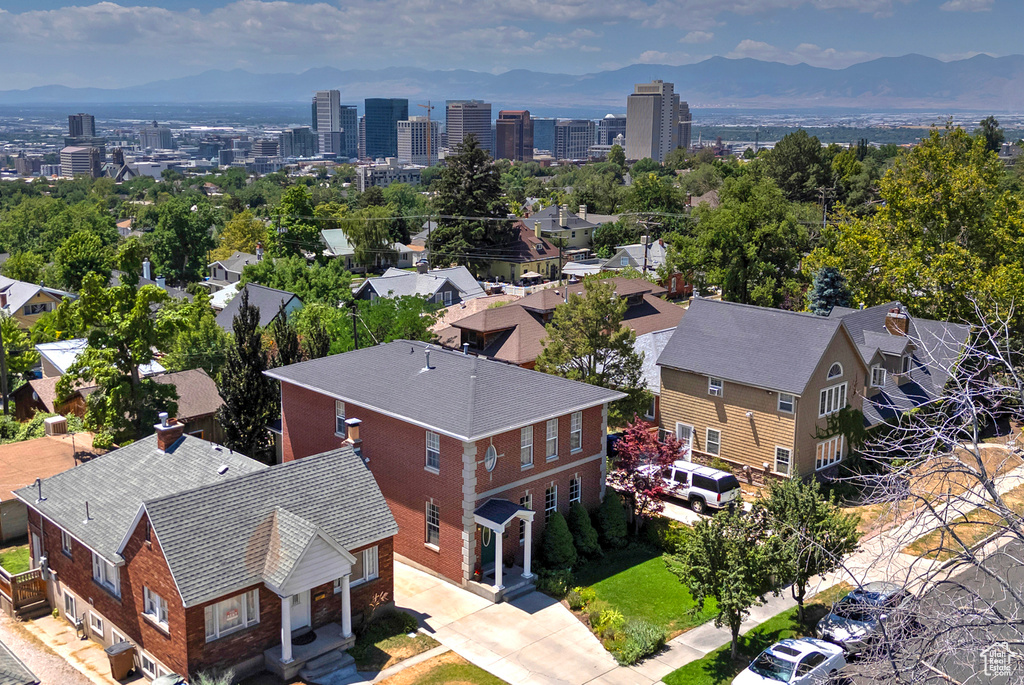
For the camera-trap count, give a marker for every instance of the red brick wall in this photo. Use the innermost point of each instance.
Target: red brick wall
(397, 454)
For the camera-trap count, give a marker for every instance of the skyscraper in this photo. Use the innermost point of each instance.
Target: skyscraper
(573, 138)
(468, 117)
(350, 129)
(361, 139)
(513, 135)
(544, 134)
(683, 135)
(382, 117)
(412, 141)
(652, 118)
(609, 127)
(298, 142)
(155, 137)
(327, 121)
(80, 125)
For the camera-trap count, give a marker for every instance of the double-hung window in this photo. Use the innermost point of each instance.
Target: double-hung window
(433, 451)
(550, 502)
(106, 575)
(786, 402)
(905, 364)
(713, 443)
(433, 525)
(551, 440)
(832, 399)
(339, 419)
(716, 386)
(65, 543)
(828, 452)
(232, 614)
(575, 489)
(576, 431)
(364, 569)
(154, 607)
(447, 297)
(783, 460)
(526, 446)
(877, 376)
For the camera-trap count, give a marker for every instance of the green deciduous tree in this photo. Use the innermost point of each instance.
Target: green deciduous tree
(797, 165)
(21, 354)
(829, 289)
(811, 533)
(181, 240)
(989, 131)
(369, 232)
(329, 283)
(617, 156)
(587, 342)
(199, 342)
(24, 266)
(392, 318)
(240, 234)
(81, 254)
(250, 397)
(724, 560)
(297, 233)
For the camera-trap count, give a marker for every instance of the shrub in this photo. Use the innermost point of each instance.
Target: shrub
(611, 519)
(608, 620)
(588, 594)
(594, 611)
(720, 464)
(575, 601)
(584, 537)
(387, 623)
(553, 583)
(667, 535)
(556, 548)
(214, 677)
(639, 638)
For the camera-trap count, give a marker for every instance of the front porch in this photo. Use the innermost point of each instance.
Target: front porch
(495, 580)
(329, 638)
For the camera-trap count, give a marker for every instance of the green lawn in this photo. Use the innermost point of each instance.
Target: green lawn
(15, 559)
(718, 668)
(636, 582)
(445, 669)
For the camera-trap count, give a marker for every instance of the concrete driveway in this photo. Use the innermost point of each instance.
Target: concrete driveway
(533, 639)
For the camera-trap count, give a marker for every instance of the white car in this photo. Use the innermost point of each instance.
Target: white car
(803, 661)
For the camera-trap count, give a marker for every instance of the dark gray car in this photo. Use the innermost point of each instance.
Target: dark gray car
(854, 622)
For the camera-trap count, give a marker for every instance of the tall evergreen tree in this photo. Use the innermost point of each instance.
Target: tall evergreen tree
(286, 339)
(828, 290)
(317, 342)
(250, 397)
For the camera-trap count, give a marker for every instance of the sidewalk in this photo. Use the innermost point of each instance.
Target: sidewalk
(86, 656)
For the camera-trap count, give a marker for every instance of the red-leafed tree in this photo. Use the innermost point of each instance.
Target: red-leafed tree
(639, 461)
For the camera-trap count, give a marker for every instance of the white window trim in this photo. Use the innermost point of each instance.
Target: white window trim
(247, 621)
(549, 511)
(526, 443)
(371, 569)
(73, 601)
(831, 375)
(113, 588)
(65, 543)
(874, 369)
(789, 468)
(95, 618)
(834, 405)
(116, 636)
(906, 362)
(436, 546)
(549, 455)
(432, 437)
(526, 502)
(143, 658)
(834, 447)
(652, 409)
(716, 387)
(707, 441)
(576, 418)
(339, 419)
(447, 297)
(579, 490)
(792, 403)
(154, 615)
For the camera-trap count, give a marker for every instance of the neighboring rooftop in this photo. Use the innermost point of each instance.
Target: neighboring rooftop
(399, 283)
(269, 301)
(12, 670)
(463, 396)
(18, 293)
(22, 462)
(651, 346)
(521, 342)
(63, 353)
(457, 312)
(197, 393)
(237, 261)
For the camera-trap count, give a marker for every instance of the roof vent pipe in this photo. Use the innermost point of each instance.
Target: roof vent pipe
(465, 348)
(163, 418)
(39, 487)
(87, 516)
(426, 354)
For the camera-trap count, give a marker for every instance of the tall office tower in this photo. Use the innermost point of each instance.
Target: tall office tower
(382, 117)
(573, 138)
(683, 135)
(81, 125)
(544, 134)
(266, 147)
(327, 120)
(76, 161)
(361, 139)
(609, 127)
(652, 116)
(331, 143)
(313, 114)
(513, 135)
(298, 142)
(155, 137)
(350, 131)
(468, 117)
(412, 141)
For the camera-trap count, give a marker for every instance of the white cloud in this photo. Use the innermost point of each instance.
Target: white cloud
(966, 5)
(697, 37)
(670, 58)
(807, 53)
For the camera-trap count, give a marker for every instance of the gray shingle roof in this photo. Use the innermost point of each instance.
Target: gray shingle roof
(20, 292)
(767, 348)
(116, 484)
(237, 261)
(651, 345)
(462, 396)
(269, 301)
(252, 528)
(12, 670)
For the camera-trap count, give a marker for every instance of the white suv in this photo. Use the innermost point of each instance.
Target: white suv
(701, 486)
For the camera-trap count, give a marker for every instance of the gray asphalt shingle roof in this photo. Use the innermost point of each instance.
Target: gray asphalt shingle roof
(269, 301)
(12, 670)
(462, 396)
(116, 484)
(651, 345)
(253, 528)
(767, 348)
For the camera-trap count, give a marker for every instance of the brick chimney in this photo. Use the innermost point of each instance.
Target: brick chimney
(563, 216)
(896, 322)
(536, 229)
(583, 212)
(167, 432)
(352, 437)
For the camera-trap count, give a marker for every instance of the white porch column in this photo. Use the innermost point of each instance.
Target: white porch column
(286, 630)
(528, 550)
(498, 560)
(346, 606)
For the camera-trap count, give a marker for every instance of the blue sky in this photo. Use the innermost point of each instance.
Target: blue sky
(111, 44)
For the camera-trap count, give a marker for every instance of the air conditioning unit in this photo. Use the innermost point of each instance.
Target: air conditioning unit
(55, 425)
(715, 392)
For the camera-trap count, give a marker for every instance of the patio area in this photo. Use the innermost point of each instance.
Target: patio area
(86, 656)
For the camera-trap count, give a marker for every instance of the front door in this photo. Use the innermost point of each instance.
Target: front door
(684, 434)
(300, 610)
(486, 548)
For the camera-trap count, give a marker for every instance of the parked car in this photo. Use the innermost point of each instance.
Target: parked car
(701, 486)
(803, 661)
(854, 621)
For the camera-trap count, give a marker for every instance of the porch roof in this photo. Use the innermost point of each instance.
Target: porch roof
(500, 512)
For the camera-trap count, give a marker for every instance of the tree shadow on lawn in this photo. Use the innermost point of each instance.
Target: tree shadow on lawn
(613, 563)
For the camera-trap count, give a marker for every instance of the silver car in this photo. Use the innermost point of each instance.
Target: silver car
(855, 621)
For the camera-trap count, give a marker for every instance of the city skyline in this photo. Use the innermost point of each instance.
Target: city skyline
(50, 42)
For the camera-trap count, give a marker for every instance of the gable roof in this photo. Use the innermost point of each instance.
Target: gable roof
(237, 261)
(63, 353)
(651, 345)
(767, 348)
(462, 396)
(269, 301)
(405, 284)
(656, 255)
(116, 484)
(523, 337)
(549, 220)
(253, 528)
(197, 393)
(337, 242)
(19, 293)
(12, 670)
(527, 247)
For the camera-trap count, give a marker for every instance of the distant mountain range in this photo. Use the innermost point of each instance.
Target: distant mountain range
(981, 83)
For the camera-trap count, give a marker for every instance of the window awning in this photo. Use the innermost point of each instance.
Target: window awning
(496, 513)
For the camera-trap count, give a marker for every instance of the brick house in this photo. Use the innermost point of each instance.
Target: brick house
(461, 447)
(206, 559)
(757, 387)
